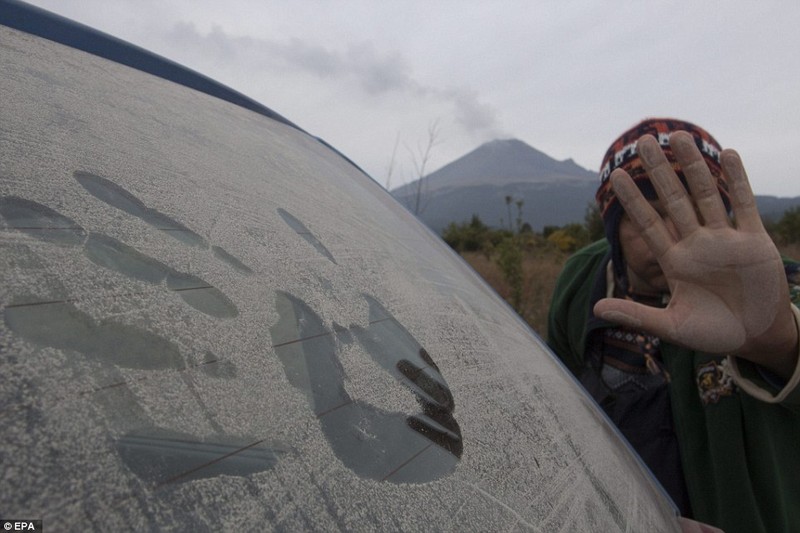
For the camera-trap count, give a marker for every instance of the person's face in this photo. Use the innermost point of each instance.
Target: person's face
(644, 273)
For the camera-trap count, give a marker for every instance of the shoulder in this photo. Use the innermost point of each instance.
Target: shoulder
(586, 259)
(578, 275)
(597, 248)
(569, 307)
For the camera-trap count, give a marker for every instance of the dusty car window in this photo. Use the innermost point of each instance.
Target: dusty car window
(373, 442)
(211, 319)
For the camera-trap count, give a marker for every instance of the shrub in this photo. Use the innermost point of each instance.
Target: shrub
(467, 237)
(787, 229)
(569, 238)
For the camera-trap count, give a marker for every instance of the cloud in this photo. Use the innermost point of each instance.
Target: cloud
(375, 73)
(473, 115)
(299, 55)
(378, 74)
(216, 45)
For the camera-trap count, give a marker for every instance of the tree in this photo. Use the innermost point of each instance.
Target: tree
(787, 229)
(508, 206)
(468, 237)
(549, 230)
(390, 169)
(569, 238)
(420, 161)
(594, 222)
(510, 255)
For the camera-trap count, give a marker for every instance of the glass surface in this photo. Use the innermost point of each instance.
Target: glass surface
(373, 442)
(212, 321)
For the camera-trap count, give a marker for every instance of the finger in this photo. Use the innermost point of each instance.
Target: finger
(633, 315)
(671, 192)
(646, 219)
(690, 526)
(702, 184)
(743, 202)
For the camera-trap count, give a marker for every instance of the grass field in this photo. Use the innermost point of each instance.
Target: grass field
(540, 269)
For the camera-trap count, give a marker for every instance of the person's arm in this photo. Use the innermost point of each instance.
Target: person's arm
(754, 381)
(728, 285)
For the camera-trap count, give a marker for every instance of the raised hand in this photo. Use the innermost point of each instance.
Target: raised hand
(729, 294)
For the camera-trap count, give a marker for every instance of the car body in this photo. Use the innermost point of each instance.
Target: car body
(211, 319)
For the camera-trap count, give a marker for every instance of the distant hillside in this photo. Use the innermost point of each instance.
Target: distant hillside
(772, 207)
(555, 193)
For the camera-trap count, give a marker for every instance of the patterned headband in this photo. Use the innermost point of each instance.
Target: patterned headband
(622, 154)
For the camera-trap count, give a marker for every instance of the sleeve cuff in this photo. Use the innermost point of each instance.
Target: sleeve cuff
(790, 391)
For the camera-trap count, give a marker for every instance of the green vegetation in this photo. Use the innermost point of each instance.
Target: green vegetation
(522, 265)
(786, 231)
(473, 236)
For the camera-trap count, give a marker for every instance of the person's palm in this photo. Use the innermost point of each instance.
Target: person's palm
(729, 293)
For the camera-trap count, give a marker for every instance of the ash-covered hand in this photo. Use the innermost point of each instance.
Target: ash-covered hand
(729, 293)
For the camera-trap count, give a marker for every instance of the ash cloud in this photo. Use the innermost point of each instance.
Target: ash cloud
(474, 115)
(376, 73)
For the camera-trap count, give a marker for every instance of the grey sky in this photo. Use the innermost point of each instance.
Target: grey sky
(565, 77)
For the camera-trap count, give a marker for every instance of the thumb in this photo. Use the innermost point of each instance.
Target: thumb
(690, 526)
(632, 314)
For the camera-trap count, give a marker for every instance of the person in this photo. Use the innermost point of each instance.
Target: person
(681, 325)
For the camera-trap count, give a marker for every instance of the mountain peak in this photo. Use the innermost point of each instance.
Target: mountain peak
(508, 148)
(502, 162)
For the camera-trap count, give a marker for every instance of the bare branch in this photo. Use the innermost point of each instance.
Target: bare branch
(420, 161)
(390, 169)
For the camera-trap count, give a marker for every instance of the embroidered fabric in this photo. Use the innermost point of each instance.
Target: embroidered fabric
(632, 360)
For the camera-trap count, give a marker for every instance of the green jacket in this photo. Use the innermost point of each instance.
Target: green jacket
(740, 455)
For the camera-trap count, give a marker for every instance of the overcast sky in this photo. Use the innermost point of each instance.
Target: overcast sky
(564, 76)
